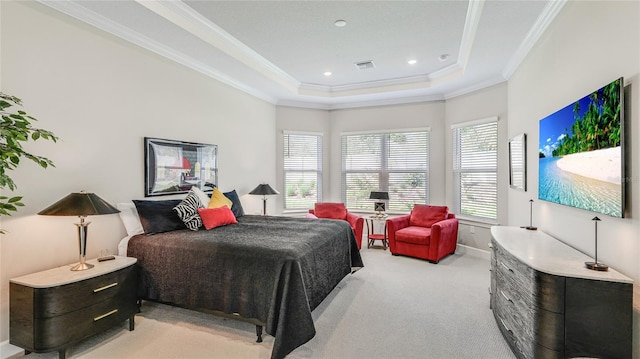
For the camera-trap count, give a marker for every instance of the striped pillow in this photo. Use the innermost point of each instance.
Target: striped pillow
(187, 210)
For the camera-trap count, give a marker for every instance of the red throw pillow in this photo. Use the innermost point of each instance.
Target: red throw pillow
(216, 217)
(330, 210)
(424, 215)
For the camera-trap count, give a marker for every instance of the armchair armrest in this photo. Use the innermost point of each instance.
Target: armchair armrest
(444, 237)
(445, 228)
(394, 224)
(357, 223)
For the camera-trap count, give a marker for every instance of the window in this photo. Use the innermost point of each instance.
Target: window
(396, 162)
(475, 164)
(302, 170)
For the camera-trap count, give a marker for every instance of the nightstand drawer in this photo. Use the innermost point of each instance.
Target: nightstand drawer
(70, 297)
(62, 330)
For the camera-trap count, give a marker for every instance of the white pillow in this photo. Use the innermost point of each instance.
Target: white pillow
(130, 219)
(204, 198)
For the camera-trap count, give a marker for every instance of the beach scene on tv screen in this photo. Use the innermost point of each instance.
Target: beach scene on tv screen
(580, 159)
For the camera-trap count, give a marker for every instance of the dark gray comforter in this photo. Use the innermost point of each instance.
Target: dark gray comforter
(272, 269)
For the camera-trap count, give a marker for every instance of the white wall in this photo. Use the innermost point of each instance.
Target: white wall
(588, 45)
(101, 96)
(438, 116)
(303, 120)
(489, 102)
(394, 117)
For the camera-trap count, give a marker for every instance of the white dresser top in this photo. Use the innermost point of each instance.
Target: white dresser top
(64, 275)
(544, 253)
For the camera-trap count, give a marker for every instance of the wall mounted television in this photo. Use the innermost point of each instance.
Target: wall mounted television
(581, 160)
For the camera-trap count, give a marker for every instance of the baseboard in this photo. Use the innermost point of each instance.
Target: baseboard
(10, 351)
(474, 252)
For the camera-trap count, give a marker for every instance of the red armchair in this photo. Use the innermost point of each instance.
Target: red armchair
(428, 232)
(339, 211)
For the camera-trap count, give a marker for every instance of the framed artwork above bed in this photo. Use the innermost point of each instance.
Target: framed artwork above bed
(173, 167)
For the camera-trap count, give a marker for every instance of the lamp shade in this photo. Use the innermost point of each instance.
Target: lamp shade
(379, 195)
(264, 189)
(79, 204)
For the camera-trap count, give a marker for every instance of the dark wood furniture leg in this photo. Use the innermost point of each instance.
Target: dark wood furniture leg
(259, 333)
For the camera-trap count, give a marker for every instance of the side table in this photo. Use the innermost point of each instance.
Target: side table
(53, 309)
(372, 236)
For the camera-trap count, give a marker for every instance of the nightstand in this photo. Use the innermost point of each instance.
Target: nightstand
(53, 309)
(372, 236)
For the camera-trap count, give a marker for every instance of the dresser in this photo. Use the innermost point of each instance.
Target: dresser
(53, 309)
(548, 305)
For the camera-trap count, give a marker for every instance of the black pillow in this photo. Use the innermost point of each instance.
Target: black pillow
(236, 206)
(159, 216)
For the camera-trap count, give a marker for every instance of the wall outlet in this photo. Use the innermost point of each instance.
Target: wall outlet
(472, 229)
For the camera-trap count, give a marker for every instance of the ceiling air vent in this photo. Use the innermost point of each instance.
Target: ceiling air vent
(365, 65)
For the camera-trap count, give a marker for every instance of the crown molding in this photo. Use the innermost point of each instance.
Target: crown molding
(83, 14)
(371, 87)
(545, 19)
(472, 21)
(191, 21)
(360, 104)
(188, 19)
(475, 87)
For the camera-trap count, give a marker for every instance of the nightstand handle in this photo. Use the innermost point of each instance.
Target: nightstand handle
(105, 287)
(105, 315)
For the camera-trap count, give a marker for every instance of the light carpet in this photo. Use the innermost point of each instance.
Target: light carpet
(395, 307)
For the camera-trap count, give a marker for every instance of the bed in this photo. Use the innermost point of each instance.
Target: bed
(271, 271)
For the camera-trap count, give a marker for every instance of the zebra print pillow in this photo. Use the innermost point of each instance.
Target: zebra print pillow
(187, 210)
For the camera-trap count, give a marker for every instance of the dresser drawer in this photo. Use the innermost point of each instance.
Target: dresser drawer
(516, 317)
(506, 325)
(70, 297)
(538, 289)
(522, 276)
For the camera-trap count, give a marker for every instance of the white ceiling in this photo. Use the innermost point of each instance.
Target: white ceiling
(279, 50)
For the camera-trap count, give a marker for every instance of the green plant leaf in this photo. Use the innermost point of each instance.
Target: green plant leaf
(16, 128)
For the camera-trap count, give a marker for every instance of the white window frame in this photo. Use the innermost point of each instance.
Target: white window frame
(297, 169)
(483, 164)
(384, 172)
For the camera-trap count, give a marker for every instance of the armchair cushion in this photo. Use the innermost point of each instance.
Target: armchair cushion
(414, 234)
(424, 215)
(330, 210)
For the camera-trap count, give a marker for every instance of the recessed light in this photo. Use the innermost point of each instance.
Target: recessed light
(412, 62)
(443, 57)
(340, 23)
(327, 73)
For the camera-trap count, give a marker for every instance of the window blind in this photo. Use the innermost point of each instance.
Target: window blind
(302, 170)
(475, 164)
(397, 163)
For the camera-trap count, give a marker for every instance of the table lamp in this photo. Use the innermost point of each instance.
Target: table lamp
(530, 227)
(599, 266)
(264, 190)
(379, 206)
(80, 204)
